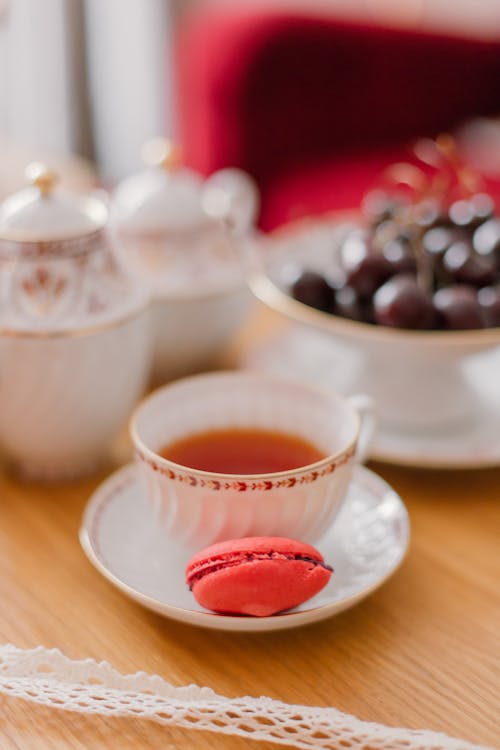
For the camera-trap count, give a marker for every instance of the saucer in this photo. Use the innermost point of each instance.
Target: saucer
(317, 359)
(121, 538)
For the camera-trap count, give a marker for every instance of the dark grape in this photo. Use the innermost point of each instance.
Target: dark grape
(489, 302)
(428, 214)
(398, 253)
(388, 271)
(486, 239)
(483, 207)
(471, 212)
(312, 289)
(437, 241)
(467, 267)
(461, 213)
(458, 307)
(402, 303)
(348, 305)
(365, 268)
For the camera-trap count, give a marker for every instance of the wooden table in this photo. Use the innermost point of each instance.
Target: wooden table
(422, 652)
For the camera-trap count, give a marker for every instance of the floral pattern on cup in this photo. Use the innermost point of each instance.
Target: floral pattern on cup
(245, 485)
(202, 507)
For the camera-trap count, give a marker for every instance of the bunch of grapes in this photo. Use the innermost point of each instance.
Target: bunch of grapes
(428, 258)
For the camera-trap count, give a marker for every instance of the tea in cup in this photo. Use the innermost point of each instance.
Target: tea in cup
(234, 454)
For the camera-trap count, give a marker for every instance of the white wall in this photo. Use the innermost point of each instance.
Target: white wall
(3, 68)
(94, 76)
(86, 76)
(128, 43)
(41, 106)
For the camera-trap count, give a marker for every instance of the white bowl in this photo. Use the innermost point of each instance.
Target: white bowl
(415, 377)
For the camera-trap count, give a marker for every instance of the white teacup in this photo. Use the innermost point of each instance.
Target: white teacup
(200, 507)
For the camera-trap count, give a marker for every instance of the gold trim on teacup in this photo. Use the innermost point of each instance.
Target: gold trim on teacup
(217, 480)
(292, 478)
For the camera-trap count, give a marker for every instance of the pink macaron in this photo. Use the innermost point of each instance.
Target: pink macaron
(257, 576)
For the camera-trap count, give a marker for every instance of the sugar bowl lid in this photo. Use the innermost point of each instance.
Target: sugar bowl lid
(163, 197)
(42, 213)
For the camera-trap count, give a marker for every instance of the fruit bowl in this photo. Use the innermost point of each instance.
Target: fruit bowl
(417, 377)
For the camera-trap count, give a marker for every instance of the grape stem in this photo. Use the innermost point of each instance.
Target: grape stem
(441, 154)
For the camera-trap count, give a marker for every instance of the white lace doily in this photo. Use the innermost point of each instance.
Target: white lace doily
(49, 678)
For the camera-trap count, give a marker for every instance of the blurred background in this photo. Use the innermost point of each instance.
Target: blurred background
(83, 83)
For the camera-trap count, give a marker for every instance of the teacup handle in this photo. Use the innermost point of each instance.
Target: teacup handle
(365, 406)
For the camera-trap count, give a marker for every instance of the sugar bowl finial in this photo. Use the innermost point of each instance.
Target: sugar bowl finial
(160, 152)
(41, 177)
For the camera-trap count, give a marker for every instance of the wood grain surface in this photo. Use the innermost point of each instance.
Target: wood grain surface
(422, 652)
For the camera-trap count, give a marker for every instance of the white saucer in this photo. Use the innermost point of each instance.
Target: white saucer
(315, 358)
(121, 538)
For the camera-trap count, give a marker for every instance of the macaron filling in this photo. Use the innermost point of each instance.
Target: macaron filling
(237, 558)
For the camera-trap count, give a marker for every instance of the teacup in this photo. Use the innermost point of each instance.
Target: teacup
(198, 507)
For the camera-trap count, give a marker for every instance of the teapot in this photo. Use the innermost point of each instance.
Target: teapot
(75, 344)
(181, 235)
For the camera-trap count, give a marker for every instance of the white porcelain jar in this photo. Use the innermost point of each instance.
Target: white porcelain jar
(180, 234)
(75, 339)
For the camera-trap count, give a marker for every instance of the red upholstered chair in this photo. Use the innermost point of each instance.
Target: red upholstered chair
(314, 107)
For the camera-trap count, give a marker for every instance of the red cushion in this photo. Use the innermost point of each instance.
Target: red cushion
(334, 184)
(277, 91)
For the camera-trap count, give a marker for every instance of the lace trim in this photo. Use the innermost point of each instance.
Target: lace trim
(49, 678)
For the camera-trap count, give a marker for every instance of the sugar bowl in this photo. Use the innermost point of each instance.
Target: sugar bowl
(75, 342)
(167, 235)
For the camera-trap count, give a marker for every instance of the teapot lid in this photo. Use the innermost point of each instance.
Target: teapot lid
(164, 196)
(40, 213)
